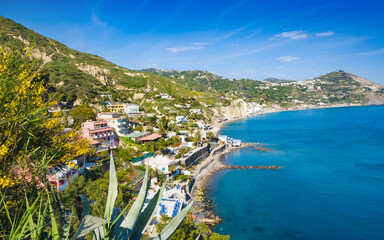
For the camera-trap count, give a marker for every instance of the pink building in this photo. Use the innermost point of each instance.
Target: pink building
(60, 176)
(100, 134)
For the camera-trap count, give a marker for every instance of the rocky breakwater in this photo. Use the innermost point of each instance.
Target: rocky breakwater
(257, 146)
(203, 210)
(252, 167)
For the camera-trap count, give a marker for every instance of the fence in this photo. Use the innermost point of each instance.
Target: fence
(138, 159)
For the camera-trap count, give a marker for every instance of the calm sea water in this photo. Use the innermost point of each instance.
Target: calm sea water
(331, 185)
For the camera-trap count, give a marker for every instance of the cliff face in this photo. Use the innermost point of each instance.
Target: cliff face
(237, 108)
(375, 98)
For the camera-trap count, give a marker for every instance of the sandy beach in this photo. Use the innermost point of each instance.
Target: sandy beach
(208, 167)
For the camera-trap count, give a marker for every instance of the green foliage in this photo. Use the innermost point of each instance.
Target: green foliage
(216, 236)
(82, 113)
(32, 139)
(195, 116)
(74, 75)
(160, 176)
(127, 193)
(189, 231)
(117, 224)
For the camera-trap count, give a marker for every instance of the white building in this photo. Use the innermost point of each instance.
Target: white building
(180, 119)
(119, 124)
(223, 138)
(172, 201)
(236, 143)
(171, 134)
(200, 124)
(197, 111)
(158, 162)
(131, 108)
(106, 96)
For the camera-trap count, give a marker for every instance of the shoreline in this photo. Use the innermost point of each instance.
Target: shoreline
(213, 164)
(216, 127)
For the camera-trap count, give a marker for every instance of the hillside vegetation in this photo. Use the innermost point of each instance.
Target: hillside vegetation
(75, 78)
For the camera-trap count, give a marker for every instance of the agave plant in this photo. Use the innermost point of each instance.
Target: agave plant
(117, 224)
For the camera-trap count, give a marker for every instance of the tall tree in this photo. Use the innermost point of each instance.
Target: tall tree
(82, 113)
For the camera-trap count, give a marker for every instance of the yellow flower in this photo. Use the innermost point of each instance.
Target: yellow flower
(6, 181)
(51, 123)
(3, 150)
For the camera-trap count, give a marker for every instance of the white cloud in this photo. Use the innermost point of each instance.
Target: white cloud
(199, 43)
(324, 34)
(294, 35)
(370, 53)
(287, 59)
(97, 21)
(184, 48)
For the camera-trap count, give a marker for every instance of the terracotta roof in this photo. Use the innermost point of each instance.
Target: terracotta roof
(151, 137)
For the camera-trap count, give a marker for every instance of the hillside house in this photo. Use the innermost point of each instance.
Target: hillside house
(180, 119)
(197, 111)
(119, 124)
(131, 109)
(100, 134)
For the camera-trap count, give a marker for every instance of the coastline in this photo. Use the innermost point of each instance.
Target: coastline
(213, 163)
(216, 127)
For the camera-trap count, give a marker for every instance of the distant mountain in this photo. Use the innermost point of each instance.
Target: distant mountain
(78, 77)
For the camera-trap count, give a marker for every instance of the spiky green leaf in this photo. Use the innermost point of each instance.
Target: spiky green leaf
(89, 224)
(146, 216)
(112, 190)
(174, 224)
(119, 232)
(54, 227)
(98, 233)
(82, 206)
(133, 214)
(32, 225)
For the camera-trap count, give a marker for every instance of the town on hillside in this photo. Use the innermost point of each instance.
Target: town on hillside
(170, 146)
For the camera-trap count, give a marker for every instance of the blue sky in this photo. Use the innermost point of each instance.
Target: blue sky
(292, 39)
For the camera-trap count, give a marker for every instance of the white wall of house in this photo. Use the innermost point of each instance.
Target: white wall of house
(131, 108)
(180, 119)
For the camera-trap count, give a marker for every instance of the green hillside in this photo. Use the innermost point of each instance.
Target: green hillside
(76, 77)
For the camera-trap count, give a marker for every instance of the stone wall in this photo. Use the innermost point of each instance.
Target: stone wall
(196, 157)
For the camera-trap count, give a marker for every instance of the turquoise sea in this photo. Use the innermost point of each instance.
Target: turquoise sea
(331, 185)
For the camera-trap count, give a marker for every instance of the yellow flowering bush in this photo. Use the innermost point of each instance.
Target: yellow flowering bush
(6, 181)
(31, 138)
